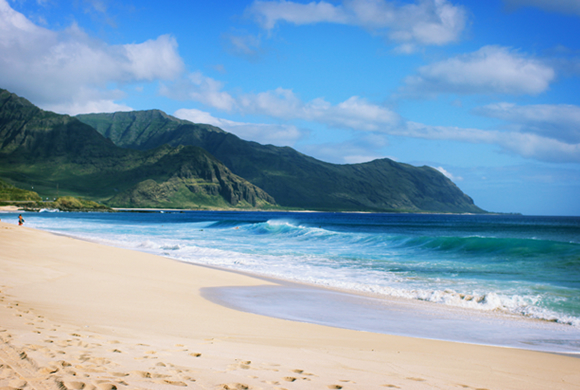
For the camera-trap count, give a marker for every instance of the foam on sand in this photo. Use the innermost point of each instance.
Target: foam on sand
(80, 315)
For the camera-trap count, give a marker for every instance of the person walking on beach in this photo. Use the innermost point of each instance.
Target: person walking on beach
(20, 220)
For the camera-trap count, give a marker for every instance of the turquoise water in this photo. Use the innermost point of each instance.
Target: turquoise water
(518, 265)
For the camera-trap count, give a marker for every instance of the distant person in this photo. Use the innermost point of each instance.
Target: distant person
(20, 220)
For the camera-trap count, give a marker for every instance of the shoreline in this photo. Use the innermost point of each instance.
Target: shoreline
(517, 331)
(494, 321)
(415, 312)
(525, 332)
(123, 319)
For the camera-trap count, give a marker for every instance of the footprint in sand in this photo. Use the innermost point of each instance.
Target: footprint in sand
(107, 386)
(47, 370)
(244, 365)
(75, 385)
(173, 383)
(236, 386)
(141, 374)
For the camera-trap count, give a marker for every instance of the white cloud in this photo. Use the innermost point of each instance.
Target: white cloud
(563, 6)
(490, 70)
(359, 114)
(558, 121)
(152, 59)
(88, 101)
(281, 135)
(527, 145)
(364, 148)
(425, 22)
(208, 91)
(354, 113)
(268, 13)
(279, 103)
(448, 174)
(63, 69)
(540, 148)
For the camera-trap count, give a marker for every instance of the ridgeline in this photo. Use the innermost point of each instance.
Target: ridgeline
(58, 154)
(151, 159)
(292, 178)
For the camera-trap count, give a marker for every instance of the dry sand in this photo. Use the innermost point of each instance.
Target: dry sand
(79, 315)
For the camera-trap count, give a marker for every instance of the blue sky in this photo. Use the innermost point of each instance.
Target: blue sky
(488, 92)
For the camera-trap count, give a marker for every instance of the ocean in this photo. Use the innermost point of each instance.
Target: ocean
(504, 280)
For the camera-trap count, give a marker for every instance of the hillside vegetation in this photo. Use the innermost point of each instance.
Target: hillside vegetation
(151, 159)
(293, 179)
(10, 194)
(58, 153)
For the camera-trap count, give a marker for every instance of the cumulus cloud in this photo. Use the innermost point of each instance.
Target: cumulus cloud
(425, 22)
(353, 113)
(558, 121)
(275, 134)
(70, 71)
(564, 6)
(490, 70)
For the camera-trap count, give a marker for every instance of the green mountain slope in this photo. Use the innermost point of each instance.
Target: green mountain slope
(292, 178)
(59, 154)
(9, 193)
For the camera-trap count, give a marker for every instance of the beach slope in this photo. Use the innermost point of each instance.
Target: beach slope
(80, 315)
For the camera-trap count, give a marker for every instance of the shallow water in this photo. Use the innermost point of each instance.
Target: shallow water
(397, 317)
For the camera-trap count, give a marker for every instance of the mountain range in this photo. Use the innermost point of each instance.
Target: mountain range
(151, 159)
(60, 155)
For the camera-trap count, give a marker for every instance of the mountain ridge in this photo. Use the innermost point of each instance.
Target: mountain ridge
(292, 178)
(60, 153)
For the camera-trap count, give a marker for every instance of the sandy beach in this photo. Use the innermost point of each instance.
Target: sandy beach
(79, 315)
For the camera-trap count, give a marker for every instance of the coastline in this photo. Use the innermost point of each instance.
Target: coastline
(92, 316)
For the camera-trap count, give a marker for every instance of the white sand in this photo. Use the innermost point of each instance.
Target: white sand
(88, 316)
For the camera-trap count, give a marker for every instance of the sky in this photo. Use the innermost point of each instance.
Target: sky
(487, 92)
